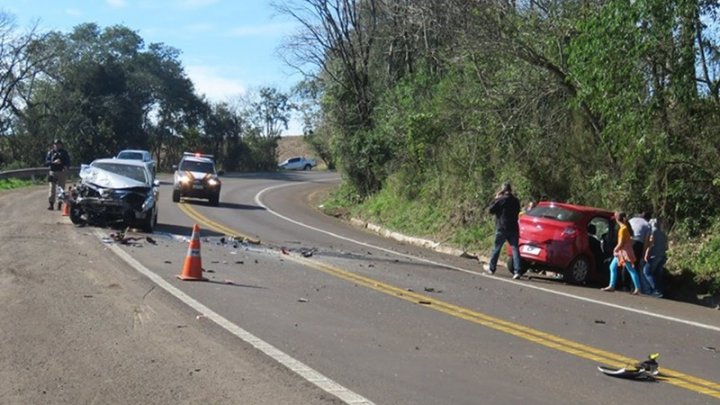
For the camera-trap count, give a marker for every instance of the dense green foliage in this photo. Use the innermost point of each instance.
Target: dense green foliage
(103, 90)
(9, 184)
(428, 106)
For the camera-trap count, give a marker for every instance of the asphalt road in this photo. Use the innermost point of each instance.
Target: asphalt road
(397, 324)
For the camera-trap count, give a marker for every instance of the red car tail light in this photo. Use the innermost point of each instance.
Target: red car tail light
(570, 232)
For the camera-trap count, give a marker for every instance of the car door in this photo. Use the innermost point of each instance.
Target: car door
(294, 163)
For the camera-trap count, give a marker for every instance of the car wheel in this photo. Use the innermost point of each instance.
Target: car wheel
(307, 167)
(215, 200)
(76, 214)
(148, 224)
(578, 271)
(176, 196)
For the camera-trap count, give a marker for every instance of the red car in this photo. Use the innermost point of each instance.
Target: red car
(573, 240)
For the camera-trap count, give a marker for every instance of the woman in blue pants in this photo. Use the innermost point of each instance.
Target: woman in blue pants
(624, 255)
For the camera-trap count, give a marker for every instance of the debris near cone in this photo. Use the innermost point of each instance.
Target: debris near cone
(122, 238)
(308, 252)
(251, 241)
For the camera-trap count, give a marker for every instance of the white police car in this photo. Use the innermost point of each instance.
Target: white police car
(195, 177)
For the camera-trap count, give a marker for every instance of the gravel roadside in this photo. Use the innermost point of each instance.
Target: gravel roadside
(77, 325)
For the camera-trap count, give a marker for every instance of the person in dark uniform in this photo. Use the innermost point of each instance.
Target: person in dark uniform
(58, 161)
(506, 208)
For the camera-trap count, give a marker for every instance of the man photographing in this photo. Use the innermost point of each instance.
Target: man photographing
(58, 161)
(506, 208)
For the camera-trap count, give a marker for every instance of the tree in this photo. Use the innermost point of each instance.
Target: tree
(337, 38)
(22, 59)
(271, 111)
(104, 91)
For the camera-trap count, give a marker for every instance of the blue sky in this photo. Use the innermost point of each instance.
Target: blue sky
(227, 46)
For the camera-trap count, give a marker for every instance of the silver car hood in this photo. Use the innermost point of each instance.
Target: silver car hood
(106, 179)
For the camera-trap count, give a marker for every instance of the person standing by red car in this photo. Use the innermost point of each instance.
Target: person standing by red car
(506, 208)
(623, 254)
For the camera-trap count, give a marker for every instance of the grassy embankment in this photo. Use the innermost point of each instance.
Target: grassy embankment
(9, 184)
(693, 267)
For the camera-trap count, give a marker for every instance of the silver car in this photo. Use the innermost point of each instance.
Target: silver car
(139, 154)
(115, 192)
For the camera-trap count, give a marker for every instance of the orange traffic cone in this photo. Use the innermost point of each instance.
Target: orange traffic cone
(65, 209)
(192, 269)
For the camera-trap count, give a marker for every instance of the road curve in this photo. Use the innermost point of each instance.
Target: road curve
(396, 324)
(466, 333)
(79, 326)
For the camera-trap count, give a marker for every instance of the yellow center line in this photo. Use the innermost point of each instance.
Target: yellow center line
(675, 378)
(193, 214)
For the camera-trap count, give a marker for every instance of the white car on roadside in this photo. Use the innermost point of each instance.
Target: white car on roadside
(297, 163)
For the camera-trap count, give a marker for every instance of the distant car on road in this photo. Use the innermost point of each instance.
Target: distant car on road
(195, 177)
(138, 154)
(297, 163)
(572, 240)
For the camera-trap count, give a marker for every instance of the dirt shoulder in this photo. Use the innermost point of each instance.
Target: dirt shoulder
(80, 326)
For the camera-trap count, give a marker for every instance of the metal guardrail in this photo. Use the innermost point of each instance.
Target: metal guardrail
(34, 173)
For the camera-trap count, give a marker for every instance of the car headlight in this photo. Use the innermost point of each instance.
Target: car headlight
(184, 179)
(148, 203)
(213, 182)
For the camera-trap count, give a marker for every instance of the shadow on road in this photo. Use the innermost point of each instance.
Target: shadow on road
(236, 206)
(234, 284)
(225, 205)
(293, 176)
(184, 230)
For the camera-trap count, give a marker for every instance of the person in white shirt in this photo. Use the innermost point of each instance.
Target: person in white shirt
(640, 238)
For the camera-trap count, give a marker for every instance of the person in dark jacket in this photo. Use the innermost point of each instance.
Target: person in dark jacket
(506, 208)
(58, 161)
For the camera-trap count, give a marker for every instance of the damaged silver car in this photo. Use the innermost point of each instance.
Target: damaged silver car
(115, 192)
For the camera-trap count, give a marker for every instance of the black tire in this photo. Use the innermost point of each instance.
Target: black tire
(307, 167)
(579, 271)
(176, 196)
(76, 214)
(148, 224)
(214, 200)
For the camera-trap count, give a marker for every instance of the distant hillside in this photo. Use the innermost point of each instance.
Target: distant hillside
(289, 146)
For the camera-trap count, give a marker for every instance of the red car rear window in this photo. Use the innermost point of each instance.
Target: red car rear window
(556, 213)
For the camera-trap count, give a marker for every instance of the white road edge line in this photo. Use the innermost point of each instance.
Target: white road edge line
(304, 371)
(259, 202)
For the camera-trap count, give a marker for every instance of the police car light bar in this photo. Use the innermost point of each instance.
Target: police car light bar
(198, 154)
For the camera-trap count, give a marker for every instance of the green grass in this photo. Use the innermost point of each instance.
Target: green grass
(9, 184)
(697, 259)
(415, 217)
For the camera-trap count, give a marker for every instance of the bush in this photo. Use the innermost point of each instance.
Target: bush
(698, 256)
(8, 184)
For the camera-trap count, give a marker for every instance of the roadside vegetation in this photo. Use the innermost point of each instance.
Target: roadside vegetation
(101, 90)
(426, 107)
(9, 184)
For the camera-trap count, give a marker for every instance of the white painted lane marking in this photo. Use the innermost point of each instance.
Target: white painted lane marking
(259, 202)
(304, 371)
